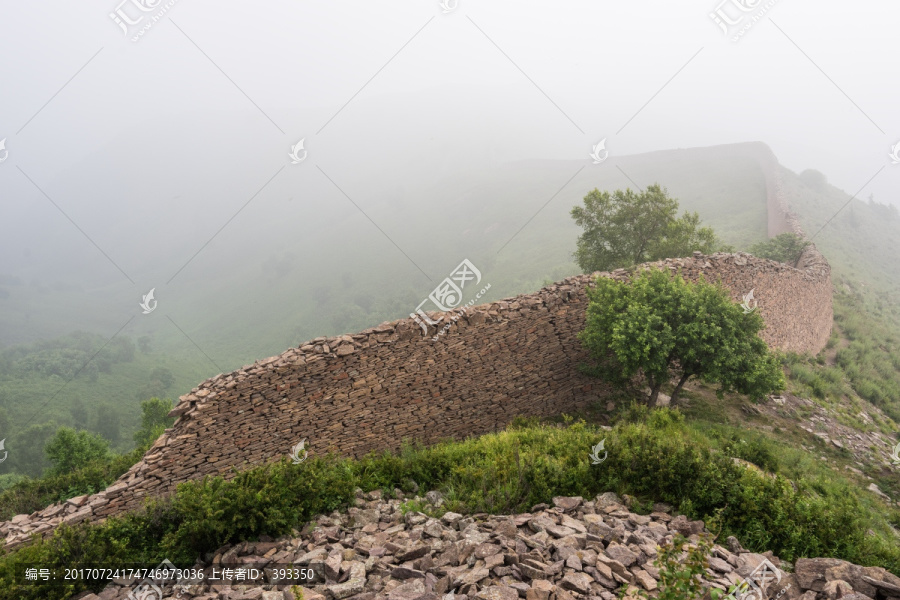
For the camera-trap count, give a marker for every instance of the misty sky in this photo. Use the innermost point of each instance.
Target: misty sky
(152, 147)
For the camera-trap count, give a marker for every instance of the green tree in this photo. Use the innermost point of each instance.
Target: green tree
(785, 247)
(161, 379)
(163, 376)
(154, 420)
(79, 414)
(626, 228)
(661, 326)
(26, 449)
(107, 422)
(122, 348)
(145, 344)
(69, 449)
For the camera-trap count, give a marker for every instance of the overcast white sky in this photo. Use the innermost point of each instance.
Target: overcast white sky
(199, 113)
(816, 81)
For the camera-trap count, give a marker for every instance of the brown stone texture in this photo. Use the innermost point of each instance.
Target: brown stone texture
(370, 390)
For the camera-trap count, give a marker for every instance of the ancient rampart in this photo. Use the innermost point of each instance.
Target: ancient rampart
(371, 390)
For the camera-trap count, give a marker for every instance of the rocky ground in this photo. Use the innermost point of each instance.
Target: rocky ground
(846, 435)
(573, 550)
(867, 448)
(866, 444)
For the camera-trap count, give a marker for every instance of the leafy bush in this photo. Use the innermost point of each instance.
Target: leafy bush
(662, 459)
(77, 354)
(8, 480)
(626, 228)
(154, 420)
(814, 179)
(69, 449)
(755, 450)
(663, 326)
(680, 571)
(786, 248)
(28, 495)
(270, 499)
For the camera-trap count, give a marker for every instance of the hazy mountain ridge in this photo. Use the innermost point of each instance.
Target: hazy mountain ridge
(274, 297)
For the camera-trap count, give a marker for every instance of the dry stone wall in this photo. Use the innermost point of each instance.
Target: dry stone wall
(370, 390)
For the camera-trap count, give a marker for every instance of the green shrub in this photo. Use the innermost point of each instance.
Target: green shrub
(754, 450)
(29, 495)
(662, 458)
(270, 499)
(660, 326)
(786, 248)
(680, 571)
(154, 420)
(69, 449)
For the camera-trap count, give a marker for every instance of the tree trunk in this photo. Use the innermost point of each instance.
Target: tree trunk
(678, 387)
(654, 393)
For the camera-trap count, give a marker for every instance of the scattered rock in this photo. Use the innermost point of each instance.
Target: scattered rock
(574, 550)
(836, 588)
(810, 572)
(734, 545)
(498, 592)
(567, 503)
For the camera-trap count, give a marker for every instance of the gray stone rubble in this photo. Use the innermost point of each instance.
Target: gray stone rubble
(573, 550)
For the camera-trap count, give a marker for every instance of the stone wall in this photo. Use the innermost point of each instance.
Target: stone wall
(368, 391)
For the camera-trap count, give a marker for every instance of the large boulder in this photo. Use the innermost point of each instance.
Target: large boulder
(810, 572)
(889, 586)
(853, 575)
(687, 528)
(835, 589)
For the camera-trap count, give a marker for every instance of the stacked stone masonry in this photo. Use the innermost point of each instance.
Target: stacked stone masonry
(369, 391)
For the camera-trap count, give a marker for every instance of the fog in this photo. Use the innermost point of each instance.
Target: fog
(164, 162)
(145, 143)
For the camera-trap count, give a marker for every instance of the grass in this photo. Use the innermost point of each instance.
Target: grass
(30, 495)
(803, 511)
(866, 351)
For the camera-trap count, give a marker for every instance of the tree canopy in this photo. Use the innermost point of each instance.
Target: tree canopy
(662, 326)
(154, 420)
(625, 228)
(786, 248)
(69, 449)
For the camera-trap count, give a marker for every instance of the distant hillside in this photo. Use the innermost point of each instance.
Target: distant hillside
(246, 299)
(860, 237)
